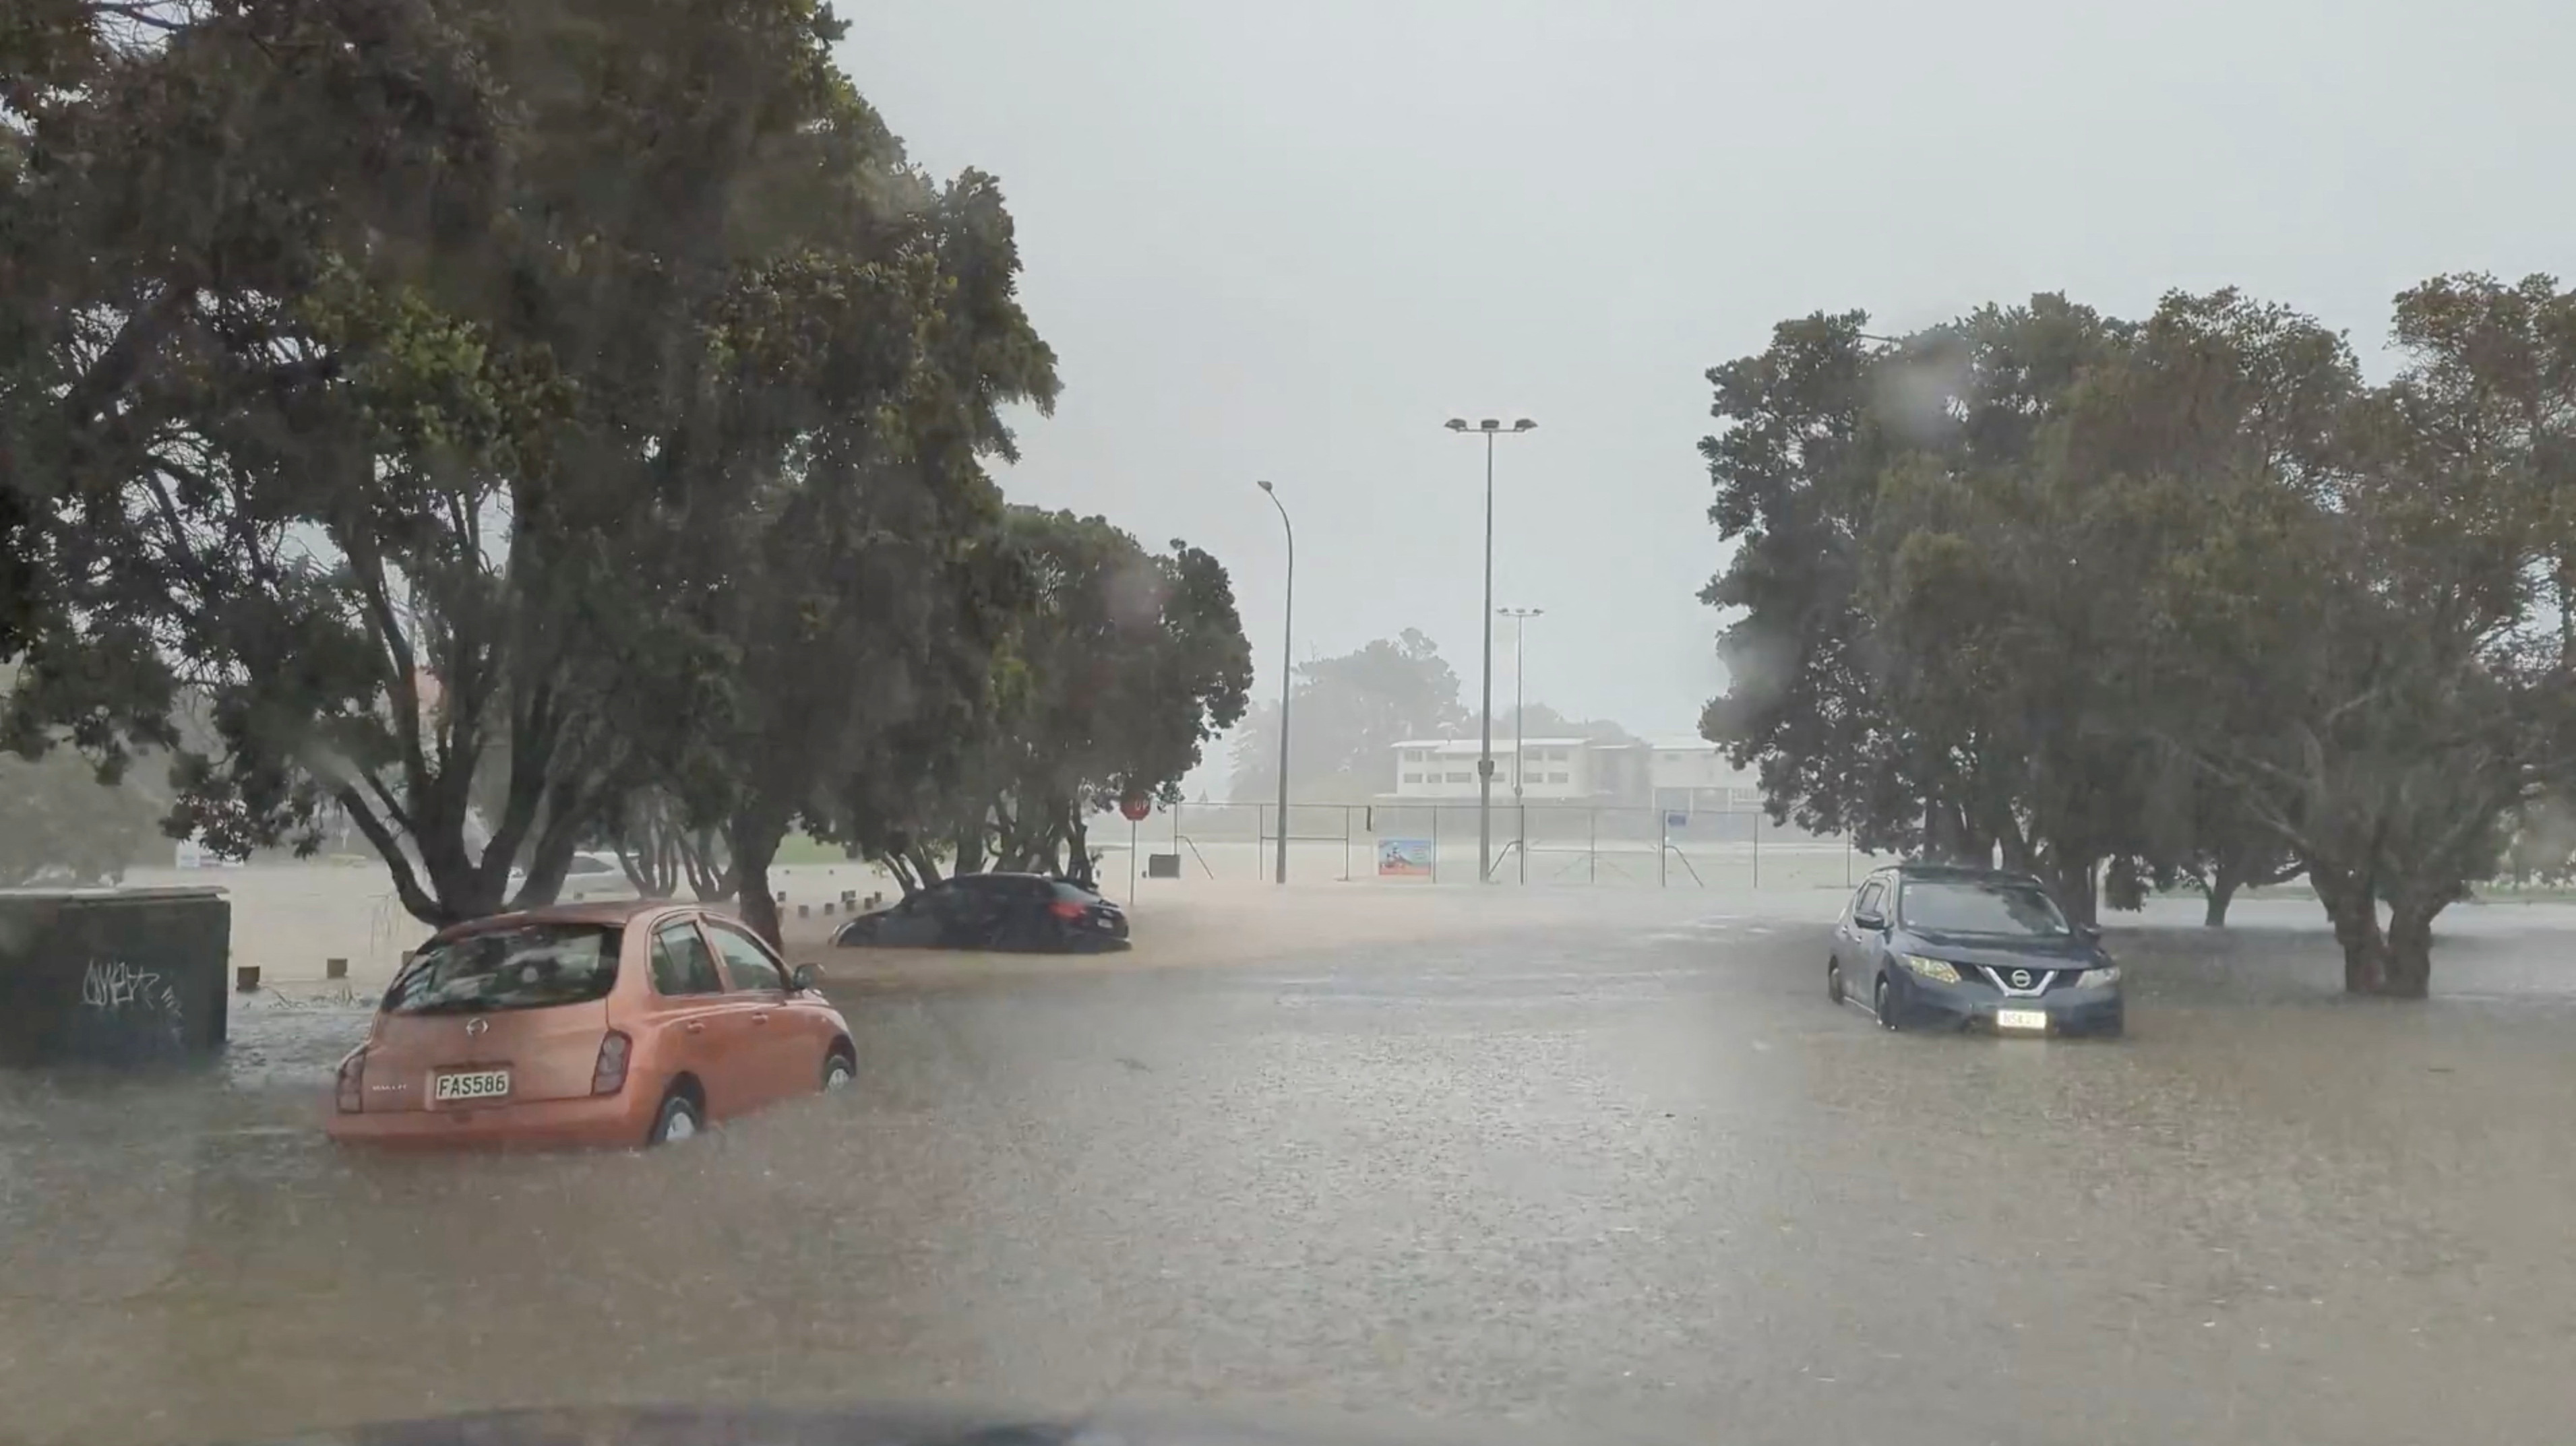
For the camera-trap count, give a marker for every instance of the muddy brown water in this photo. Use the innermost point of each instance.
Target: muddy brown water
(1628, 1175)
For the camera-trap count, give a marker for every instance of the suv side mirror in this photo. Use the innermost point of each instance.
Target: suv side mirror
(2089, 933)
(1872, 919)
(804, 978)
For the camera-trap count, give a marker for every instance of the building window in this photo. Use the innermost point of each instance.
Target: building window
(1413, 778)
(1460, 777)
(1556, 778)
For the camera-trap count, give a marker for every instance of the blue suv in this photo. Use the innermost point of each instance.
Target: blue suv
(1934, 946)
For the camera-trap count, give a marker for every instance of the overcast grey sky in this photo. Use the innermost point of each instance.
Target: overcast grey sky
(1287, 240)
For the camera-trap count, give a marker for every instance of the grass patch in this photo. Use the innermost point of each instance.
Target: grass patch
(804, 848)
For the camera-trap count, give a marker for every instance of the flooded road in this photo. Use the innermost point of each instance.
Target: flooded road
(1638, 1177)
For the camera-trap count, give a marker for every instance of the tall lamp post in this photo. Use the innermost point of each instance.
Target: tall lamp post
(1287, 626)
(1489, 428)
(1520, 698)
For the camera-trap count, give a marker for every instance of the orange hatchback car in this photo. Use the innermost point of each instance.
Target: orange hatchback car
(590, 1024)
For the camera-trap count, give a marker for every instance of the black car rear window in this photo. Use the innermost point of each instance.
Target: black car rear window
(1073, 893)
(1979, 906)
(535, 966)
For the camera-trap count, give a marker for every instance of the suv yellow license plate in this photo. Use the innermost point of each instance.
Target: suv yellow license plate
(2022, 1019)
(467, 1086)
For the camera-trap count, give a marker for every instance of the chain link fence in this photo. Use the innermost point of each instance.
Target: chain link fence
(1533, 844)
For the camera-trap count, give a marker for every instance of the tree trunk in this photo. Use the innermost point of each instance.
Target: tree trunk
(2352, 904)
(2410, 938)
(969, 855)
(2071, 879)
(1079, 865)
(2409, 973)
(2222, 891)
(754, 840)
(759, 906)
(709, 878)
(924, 867)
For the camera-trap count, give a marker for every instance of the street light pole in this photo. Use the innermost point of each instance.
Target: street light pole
(1520, 700)
(1490, 428)
(1287, 631)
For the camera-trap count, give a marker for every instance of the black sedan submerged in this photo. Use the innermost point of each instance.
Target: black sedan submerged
(1931, 946)
(993, 911)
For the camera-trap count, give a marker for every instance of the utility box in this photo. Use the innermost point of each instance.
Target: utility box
(1162, 866)
(116, 977)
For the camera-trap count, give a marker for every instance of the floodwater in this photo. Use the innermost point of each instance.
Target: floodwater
(1620, 1168)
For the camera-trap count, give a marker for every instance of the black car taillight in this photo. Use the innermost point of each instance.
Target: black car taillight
(1066, 909)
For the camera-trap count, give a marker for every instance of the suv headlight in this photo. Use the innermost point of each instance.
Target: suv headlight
(2102, 978)
(1939, 971)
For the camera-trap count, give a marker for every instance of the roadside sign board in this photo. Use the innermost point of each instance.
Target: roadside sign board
(1404, 858)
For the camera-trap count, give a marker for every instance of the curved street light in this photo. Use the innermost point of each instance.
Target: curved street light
(1287, 625)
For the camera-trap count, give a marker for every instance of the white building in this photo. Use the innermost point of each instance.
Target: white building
(1557, 770)
(1677, 774)
(1691, 775)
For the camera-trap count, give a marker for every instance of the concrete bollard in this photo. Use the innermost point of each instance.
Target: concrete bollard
(335, 968)
(246, 978)
(804, 911)
(849, 898)
(827, 908)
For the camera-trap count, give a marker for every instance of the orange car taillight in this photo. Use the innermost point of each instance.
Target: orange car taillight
(1063, 909)
(351, 1091)
(609, 1075)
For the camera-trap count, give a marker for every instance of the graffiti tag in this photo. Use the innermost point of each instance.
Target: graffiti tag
(118, 988)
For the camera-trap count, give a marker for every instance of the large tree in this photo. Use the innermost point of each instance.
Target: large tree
(412, 353)
(1118, 667)
(2180, 594)
(2399, 625)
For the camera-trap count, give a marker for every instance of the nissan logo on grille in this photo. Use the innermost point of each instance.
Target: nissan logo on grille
(2021, 979)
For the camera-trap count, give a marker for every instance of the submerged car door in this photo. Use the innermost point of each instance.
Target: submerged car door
(967, 910)
(1865, 948)
(732, 1036)
(915, 923)
(690, 1002)
(785, 1056)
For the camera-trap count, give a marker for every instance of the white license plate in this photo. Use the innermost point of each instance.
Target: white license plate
(478, 1084)
(2021, 1019)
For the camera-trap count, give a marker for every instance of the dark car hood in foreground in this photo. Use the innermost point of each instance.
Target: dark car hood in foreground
(2001, 950)
(870, 1426)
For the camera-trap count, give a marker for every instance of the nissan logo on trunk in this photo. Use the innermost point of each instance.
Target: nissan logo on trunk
(2021, 980)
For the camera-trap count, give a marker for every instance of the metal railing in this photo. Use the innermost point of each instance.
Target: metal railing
(1535, 844)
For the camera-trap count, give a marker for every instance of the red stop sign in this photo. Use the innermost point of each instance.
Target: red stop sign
(1133, 808)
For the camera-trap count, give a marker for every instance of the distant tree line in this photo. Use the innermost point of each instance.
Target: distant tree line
(516, 425)
(1347, 714)
(2181, 600)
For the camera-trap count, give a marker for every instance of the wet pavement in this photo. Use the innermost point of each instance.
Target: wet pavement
(1636, 1177)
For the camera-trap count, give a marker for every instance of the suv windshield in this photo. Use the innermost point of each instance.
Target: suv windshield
(534, 967)
(1979, 906)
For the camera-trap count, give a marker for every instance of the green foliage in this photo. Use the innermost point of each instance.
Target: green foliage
(65, 823)
(2182, 594)
(1347, 714)
(1117, 667)
(484, 410)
